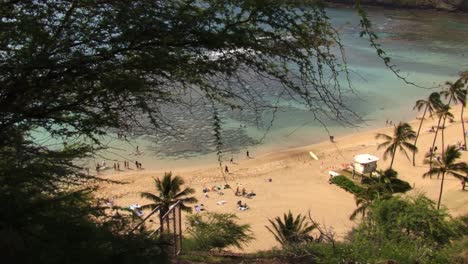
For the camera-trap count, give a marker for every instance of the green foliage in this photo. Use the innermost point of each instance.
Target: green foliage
(403, 136)
(448, 164)
(387, 181)
(407, 230)
(291, 230)
(372, 189)
(456, 252)
(202, 259)
(77, 70)
(169, 191)
(346, 184)
(400, 186)
(215, 231)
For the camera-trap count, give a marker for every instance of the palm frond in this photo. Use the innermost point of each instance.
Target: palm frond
(389, 151)
(402, 150)
(360, 210)
(384, 145)
(433, 171)
(150, 206)
(187, 191)
(150, 196)
(189, 200)
(420, 104)
(410, 146)
(383, 136)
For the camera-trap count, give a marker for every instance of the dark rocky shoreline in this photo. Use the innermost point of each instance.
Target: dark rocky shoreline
(445, 5)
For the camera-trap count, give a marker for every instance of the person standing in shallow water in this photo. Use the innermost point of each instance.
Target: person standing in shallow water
(247, 154)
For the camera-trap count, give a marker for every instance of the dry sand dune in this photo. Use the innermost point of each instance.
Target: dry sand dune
(300, 183)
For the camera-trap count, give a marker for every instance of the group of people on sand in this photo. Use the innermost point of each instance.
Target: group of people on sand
(241, 206)
(216, 188)
(226, 168)
(103, 166)
(244, 193)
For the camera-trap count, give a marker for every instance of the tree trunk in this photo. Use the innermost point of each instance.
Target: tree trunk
(393, 157)
(434, 141)
(442, 134)
(417, 135)
(441, 189)
(463, 127)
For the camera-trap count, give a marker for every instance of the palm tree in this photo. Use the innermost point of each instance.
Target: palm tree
(169, 192)
(290, 231)
(431, 104)
(456, 93)
(447, 164)
(363, 200)
(443, 112)
(402, 134)
(378, 188)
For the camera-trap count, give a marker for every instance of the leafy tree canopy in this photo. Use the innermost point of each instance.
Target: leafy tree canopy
(216, 231)
(80, 69)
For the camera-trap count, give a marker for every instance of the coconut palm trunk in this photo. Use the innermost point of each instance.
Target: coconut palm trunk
(442, 135)
(441, 190)
(443, 129)
(417, 134)
(393, 157)
(463, 126)
(434, 141)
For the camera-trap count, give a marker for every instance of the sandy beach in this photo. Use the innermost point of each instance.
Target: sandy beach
(298, 182)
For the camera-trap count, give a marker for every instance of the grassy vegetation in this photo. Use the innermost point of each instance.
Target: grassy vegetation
(203, 258)
(346, 184)
(405, 230)
(209, 231)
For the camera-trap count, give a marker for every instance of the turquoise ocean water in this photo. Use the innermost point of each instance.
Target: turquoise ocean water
(428, 47)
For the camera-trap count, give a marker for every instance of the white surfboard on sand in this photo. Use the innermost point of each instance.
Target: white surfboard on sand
(313, 155)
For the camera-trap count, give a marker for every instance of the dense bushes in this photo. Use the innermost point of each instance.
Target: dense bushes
(388, 180)
(406, 230)
(215, 231)
(346, 184)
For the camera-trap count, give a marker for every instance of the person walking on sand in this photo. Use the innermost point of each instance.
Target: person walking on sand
(247, 154)
(136, 164)
(118, 166)
(226, 169)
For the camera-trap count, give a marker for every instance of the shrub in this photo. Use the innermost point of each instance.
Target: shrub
(291, 230)
(216, 231)
(346, 184)
(400, 186)
(408, 230)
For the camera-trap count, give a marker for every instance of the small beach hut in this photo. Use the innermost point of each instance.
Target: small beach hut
(365, 163)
